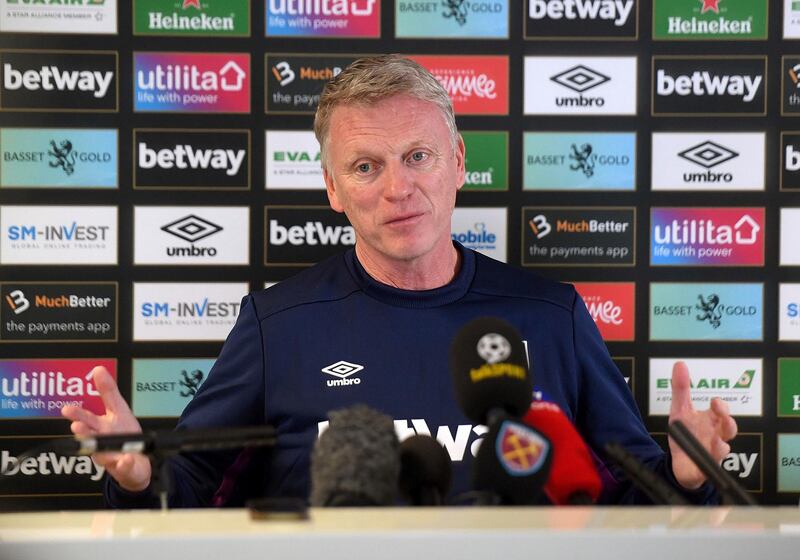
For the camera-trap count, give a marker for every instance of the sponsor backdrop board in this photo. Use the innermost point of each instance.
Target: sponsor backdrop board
(157, 162)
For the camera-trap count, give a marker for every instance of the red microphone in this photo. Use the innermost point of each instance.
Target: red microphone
(573, 477)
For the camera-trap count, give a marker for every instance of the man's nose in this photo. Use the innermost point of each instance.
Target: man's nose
(399, 182)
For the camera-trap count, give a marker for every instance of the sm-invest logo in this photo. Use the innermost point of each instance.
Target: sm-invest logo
(790, 233)
(725, 20)
(58, 158)
(581, 19)
(612, 307)
(178, 82)
(191, 235)
(208, 18)
(709, 86)
(579, 161)
(58, 311)
(305, 235)
(737, 381)
(58, 80)
(699, 312)
(789, 312)
(470, 19)
(323, 18)
(575, 236)
(707, 236)
(580, 85)
(481, 229)
(293, 160)
(39, 388)
(58, 235)
(163, 387)
(477, 84)
(294, 82)
(185, 311)
(58, 16)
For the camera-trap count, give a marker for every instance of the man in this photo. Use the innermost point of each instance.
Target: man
(386, 312)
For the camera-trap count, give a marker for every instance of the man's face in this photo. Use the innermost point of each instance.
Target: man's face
(392, 169)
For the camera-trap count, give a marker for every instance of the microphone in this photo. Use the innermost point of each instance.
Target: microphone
(573, 477)
(730, 490)
(426, 471)
(168, 441)
(643, 478)
(356, 461)
(493, 386)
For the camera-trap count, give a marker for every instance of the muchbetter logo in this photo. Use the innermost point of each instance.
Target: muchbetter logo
(304, 235)
(737, 381)
(206, 235)
(700, 312)
(58, 158)
(58, 16)
(579, 160)
(452, 18)
(343, 371)
(163, 387)
(481, 229)
(604, 85)
(712, 161)
(294, 82)
(790, 97)
(710, 19)
(581, 19)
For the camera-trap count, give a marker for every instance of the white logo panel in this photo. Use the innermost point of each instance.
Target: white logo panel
(185, 311)
(191, 235)
(790, 234)
(585, 85)
(708, 161)
(791, 19)
(738, 382)
(789, 312)
(481, 229)
(58, 235)
(74, 16)
(292, 160)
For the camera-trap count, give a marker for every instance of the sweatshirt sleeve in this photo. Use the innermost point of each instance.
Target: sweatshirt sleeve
(233, 395)
(607, 412)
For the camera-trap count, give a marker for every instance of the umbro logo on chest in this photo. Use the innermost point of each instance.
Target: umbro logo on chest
(343, 373)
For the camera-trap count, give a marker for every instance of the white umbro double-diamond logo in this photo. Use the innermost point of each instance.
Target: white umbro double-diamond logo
(342, 370)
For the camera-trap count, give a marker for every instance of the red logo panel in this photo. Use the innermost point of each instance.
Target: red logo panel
(612, 306)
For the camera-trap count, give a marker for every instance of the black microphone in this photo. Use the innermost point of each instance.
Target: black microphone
(493, 386)
(356, 461)
(426, 471)
(643, 478)
(168, 441)
(728, 488)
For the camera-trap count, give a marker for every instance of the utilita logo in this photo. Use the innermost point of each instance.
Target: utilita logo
(192, 82)
(476, 84)
(316, 18)
(707, 236)
(611, 305)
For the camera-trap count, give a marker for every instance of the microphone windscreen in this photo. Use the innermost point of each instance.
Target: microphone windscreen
(426, 471)
(489, 366)
(356, 461)
(573, 475)
(513, 462)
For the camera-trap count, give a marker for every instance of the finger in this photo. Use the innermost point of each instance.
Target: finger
(719, 450)
(109, 392)
(108, 460)
(720, 407)
(726, 424)
(80, 429)
(78, 414)
(681, 392)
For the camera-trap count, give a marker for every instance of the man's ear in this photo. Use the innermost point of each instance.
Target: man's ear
(461, 161)
(330, 188)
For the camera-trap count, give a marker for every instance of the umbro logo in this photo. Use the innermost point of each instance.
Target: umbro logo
(580, 78)
(708, 154)
(342, 371)
(192, 228)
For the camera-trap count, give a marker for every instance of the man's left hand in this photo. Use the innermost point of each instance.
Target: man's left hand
(713, 428)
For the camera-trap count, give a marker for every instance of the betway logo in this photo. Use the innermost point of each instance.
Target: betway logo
(740, 464)
(183, 156)
(706, 232)
(49, 78)
(455, 444)
(617, 11)
(705, 83)
(321, 7)
(313, 233)
(49, 464)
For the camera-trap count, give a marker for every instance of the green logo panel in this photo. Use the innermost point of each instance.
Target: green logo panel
(487, 161)
(789, 387)
(788, 462)
(711, 20)
(163, 387)
(217, 18)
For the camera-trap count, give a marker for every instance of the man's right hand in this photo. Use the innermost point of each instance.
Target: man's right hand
(130, 470)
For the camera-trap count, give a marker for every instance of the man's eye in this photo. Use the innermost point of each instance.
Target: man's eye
(364, 167)
(419, 156)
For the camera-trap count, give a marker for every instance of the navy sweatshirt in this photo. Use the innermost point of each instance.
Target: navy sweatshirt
(272, 369)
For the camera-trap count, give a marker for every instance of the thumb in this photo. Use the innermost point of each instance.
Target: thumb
(681, 392)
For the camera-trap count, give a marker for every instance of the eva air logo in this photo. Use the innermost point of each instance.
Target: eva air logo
(745, 380)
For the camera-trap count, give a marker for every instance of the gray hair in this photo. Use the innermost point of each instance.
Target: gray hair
(370, 80)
